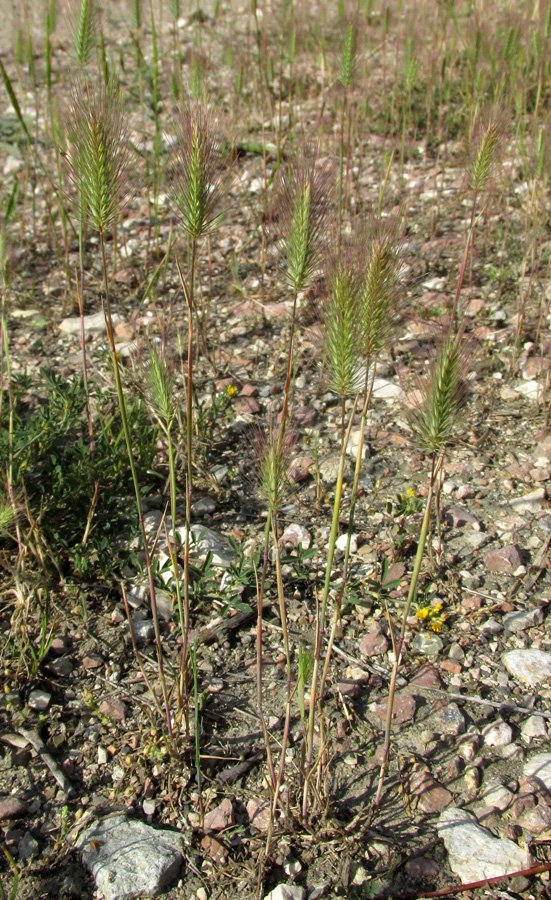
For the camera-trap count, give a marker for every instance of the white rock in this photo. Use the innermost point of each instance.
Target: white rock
(296, 534)
(286, 892)
(532, 390)
(539, 767)
(130, 859)
(533, 727)
(531, 667)
(474, 853)
(497, 796)
(341, 542)
(498, 734)
(386, 390)
(531, 502)
(94, 322)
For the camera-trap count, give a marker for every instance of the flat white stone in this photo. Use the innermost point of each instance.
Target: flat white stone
(531, 502)
(386, 390)
(130, 859)
(531, 667)
(539, 767)
(94, 322)
(524, 618)
(532, 390)
(533, 727)
(474, 852)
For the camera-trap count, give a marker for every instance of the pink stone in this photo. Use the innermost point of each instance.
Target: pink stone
(505, 560)
(220, 817)
(403, 711)
(373, 644)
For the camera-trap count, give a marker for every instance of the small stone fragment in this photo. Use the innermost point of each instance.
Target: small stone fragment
(92, 661)
(447, 720)
(432, 797)
(533, 727)
(403, 711)
(220, 817)
(539, 768)
(39, 699)
(13, 808)
(529, 503)
(113, 708)
(373, 644)
(526, 618)
(258, 812)
(422, 867)
(296, 534)
(214, 849)
(458, 517)
(427, 643)
(497, 796)
(531, 667)
(504, 560)
(497, 734)
(286, 892)
(28, 846)
(474, 853)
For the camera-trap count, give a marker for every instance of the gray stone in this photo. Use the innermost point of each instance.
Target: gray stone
(130, 859)
(531, 667)
(525, 618)
(28, 846)
(143, 630)
(39, 699)
(205, 540)
(539, 768)
(203, 506)
(474, 853)
(447, 720)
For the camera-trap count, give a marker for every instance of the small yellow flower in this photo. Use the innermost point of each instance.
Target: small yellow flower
(436, 609)
(422, 613)
(436, 626)
(410, 492)
(231, 390)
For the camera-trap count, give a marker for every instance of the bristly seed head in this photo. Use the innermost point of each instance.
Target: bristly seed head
(159, 387)
(198, 184)
(380, 292)
(271, 463)
(303, 207)
(342, 334)
(98, 154)
(443, 398)
(485, 149)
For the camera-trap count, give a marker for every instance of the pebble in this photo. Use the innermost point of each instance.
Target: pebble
(342, 541)
(292, 867)
(296, 534)
(373, 644)
(504, 560)
(204, 506)
(149, 807)
(526, 618)
(28, 846)
(531, 667)
(220, 817)
(205, 540)
(258, 812)
(13, 808)
(428, 644)
(497, 734)
(432, 797)
(457, 516)
(474, 852)
(539, 768)
(471, 779)
(533, 727)
(130, 859)
(422, 867)
(113, 708)
(468, 747)
(531, 502)
(39, 699)
(143, 630)
(497, 796)
(403, 711)
(447, 720)
(93, 322)
(286, 892)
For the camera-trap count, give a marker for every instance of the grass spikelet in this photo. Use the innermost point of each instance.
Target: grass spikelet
(434, 421)
(159, 387)
(198, 185)
(348, 55)
(85, 32)
(272, 463)
(342, 337)
(485, 152)
(303, 204)
(379, 293)
(98, 156)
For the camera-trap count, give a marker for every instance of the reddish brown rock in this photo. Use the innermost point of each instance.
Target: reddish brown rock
(258, 812)
(213, 849)
(404, 709)
(426, 677)
(92, 661)
(13, 808)
(504, 560)
(373, 644)
(220, 817)
(113, 708)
